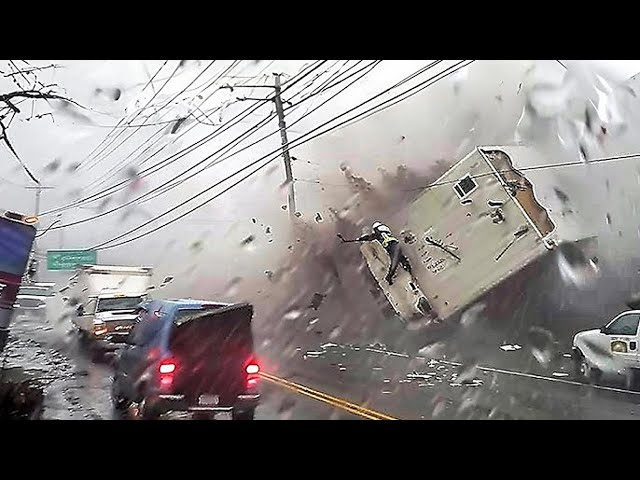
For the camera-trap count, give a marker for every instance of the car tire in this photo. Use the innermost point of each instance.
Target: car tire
(147, 411)
(632, 379)
(120, 403)
(583, 369)
(243, 414)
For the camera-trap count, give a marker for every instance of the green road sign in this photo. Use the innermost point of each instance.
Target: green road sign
(70, 259)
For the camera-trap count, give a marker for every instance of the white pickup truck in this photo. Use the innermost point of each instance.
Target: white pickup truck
(108, 297)
(611, 350)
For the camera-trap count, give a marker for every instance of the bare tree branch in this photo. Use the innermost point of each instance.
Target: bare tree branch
(8, 143)
(18, 71)
(32, 69)
(35, 90)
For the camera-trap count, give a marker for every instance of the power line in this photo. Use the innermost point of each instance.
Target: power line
(102, 246)
(157, 193)
(219, 159)
(95, 160)
(160, 108)
(137, 199)
(228, 69)
(123, 119)
(166, 162)
(534, 168)
(167, 186)
(411, 95)
(106, 176)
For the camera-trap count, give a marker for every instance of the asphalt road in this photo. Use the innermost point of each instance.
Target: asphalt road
(77, 382)
(473, 371)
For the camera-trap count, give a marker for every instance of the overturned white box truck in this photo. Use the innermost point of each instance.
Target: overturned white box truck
(475, 226)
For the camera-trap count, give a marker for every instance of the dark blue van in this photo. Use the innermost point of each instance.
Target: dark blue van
(189, 356)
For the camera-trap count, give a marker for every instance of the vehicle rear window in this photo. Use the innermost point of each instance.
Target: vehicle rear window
(227, 328)
(186, 314)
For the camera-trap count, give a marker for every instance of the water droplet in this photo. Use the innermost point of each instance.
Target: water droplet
(439, 408)
(335, 333)
(510, 348)
(542, 356)
(292, 315)
(433, 350)
(233, 287)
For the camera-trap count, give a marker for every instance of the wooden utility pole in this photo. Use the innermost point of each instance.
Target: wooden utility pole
(38, 189)
(291, 199)
(285, 149)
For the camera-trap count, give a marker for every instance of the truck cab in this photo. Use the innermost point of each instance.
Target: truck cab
(611, 350)
(109, 317)
(108, 298)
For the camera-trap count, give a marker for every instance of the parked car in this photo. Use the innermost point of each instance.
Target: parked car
(189, 356)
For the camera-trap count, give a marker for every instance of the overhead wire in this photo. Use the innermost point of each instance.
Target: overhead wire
(133, 201)
(142, 174)
(164, 105)
(124, 162)
(369, 68)
(298, 142)
(95, 197)
(99, 182)
(123, 118)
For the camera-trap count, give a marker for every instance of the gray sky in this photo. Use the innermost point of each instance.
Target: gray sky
(436, 124)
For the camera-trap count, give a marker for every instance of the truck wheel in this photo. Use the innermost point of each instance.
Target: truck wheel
(632, 378)
(584, 370)
(243, 415)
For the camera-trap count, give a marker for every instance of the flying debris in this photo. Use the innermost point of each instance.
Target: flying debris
(53, 166)
(248, 240)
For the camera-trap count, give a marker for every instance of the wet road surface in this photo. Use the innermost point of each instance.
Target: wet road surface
(326, 380)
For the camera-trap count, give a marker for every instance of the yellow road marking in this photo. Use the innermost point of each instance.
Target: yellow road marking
(329, 399)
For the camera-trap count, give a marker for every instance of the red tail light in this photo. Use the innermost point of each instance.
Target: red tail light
(167, 369)
(252, 369)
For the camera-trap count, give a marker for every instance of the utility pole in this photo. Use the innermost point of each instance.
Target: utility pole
(38, 188)
(291, 199)
(285, 148)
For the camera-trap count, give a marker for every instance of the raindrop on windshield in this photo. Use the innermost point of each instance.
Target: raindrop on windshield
(292, 315)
